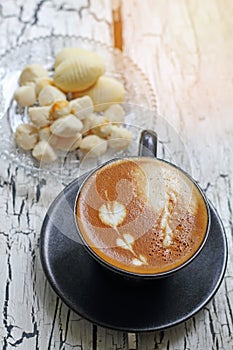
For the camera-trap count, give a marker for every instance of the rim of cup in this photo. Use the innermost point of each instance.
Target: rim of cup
(125, 272)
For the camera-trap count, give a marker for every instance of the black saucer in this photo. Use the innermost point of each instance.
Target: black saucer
(113, 301)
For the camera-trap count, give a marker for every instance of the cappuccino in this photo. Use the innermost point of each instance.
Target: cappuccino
(141, 215)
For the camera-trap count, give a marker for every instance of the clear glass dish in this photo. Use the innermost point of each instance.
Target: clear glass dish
(140, 101)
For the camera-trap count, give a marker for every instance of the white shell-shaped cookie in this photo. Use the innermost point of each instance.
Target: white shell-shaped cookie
(41, 83)
(26, 136)
(93, 146)
(66, 126)
(105, 92)
(120, 138)
(25, 95)
(31, 73)
(88, 124)
(66, 143)
(50, 94)
(44, 134)
(82, 107)
(115, 114)
(59, 109)
(78, 73)
(40, 115)
(69, 52)
(44, 152)
(101, 126)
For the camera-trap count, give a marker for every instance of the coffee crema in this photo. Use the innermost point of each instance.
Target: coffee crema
(141, 215)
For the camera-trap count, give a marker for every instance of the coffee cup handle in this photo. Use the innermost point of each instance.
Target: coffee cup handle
(148, 144)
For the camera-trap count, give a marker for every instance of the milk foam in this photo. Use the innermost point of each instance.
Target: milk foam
(164, 182)
(142, 214)
(167, 187)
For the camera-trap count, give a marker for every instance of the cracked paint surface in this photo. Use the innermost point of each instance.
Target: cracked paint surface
(185, 48)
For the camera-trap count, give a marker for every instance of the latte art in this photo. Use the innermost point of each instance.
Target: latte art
(112, 213)
(141, 215)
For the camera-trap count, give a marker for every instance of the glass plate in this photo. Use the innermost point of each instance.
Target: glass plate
(140, 101)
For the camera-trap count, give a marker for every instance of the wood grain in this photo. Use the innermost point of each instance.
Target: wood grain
(186, 50)
(185, 47)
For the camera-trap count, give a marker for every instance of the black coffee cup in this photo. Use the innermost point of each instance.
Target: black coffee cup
(172, 219)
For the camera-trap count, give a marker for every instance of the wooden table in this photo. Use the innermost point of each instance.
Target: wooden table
(186, 50)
